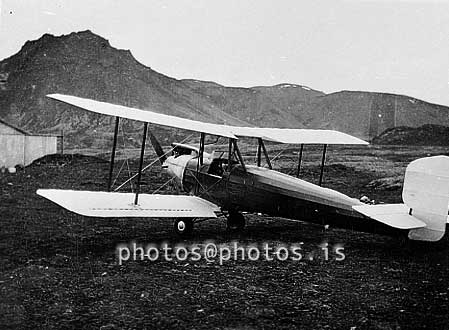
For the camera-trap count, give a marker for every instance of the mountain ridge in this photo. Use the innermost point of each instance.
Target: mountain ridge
(86, 65)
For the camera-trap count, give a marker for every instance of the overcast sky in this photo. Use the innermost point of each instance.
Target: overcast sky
(375, 45)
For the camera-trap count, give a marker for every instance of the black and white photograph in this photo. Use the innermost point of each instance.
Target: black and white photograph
(237, 165)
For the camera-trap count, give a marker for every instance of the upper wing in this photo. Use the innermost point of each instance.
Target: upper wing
(394, 215)
(297, 136)
(143, 115)
(113, 204)
(282, 135)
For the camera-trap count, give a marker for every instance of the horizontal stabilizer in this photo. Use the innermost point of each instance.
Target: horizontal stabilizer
(114, 204)
(393, 215)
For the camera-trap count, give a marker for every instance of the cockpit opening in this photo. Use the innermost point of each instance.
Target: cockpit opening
(180, 149)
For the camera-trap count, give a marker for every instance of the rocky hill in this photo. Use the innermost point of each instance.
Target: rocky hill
(368, 114)
(436, 135)
(86, 65)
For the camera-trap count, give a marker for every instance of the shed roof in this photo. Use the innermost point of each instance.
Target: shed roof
(21, 131)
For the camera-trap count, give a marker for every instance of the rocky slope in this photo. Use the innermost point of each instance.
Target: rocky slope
(436, 135)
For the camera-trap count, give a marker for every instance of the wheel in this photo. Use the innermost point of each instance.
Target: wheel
(183, 226)
(236, 221)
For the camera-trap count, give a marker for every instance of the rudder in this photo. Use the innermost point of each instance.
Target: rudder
(426, 193)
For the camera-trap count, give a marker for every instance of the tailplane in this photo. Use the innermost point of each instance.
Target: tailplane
(426, 201)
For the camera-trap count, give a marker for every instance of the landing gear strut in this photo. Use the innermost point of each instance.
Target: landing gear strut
(183, 226)
(236, 221)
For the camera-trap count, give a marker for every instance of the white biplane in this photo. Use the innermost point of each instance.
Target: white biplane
(221, 183)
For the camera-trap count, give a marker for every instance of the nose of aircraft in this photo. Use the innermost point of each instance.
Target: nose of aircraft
(170, 166)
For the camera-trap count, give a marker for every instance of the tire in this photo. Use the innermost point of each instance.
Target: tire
(183, 226)
(236, 222)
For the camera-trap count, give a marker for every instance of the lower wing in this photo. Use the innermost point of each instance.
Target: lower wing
(114, 204)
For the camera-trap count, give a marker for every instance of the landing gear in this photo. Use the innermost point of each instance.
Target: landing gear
(183, 226)
(236, 221)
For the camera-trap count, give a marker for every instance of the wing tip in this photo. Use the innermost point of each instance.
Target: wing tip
(55, 96)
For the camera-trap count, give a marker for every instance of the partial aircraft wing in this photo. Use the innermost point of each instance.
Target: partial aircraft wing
(394, 215)
(297, 136)
(143, 115)
(114, 204)
(281, 135)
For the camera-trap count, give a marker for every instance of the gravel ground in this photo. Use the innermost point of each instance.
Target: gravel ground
(61, 271)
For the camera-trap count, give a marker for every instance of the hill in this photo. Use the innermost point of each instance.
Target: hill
(435, 135)
(86, 65)
(368, 114)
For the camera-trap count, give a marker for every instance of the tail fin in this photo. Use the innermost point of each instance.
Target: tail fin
(426, 193)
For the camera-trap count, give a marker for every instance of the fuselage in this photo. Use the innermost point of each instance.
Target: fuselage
(261, 190)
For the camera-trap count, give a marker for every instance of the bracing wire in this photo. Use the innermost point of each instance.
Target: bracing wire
(162, 186)
(150, 164)
(279, 153)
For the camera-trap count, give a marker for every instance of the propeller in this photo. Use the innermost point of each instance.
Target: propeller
(157, 148)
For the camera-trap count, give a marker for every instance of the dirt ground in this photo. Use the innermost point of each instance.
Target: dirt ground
(60, 270)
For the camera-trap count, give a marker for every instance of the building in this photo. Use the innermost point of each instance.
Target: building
(18, 147)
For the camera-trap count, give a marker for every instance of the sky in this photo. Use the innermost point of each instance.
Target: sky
(395, 46)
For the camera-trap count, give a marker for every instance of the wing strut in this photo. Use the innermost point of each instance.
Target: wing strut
(234, 152)
(114, 146)
(142, 154)
(322, 164)
(201, 153)
(230, 155)
(200, 161)
(239, 155)
(299, 160)
(267, 158)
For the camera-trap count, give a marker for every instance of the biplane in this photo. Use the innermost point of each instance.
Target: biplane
(222, 183)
